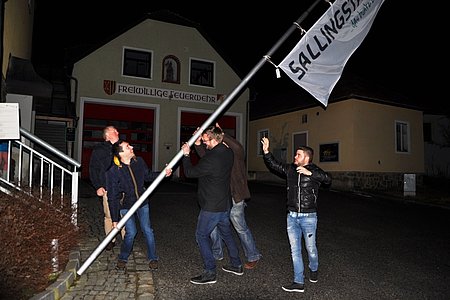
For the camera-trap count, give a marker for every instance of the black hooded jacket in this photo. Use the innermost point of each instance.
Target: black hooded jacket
(101, 161)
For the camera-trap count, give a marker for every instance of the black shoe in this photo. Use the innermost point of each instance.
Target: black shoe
(294, 287)
(153, 265)
(110, 246)
(235, 270)
(313, 276)
(121, 265)
(205, 278)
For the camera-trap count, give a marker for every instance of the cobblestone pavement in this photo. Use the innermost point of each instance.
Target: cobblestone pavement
(370, 248)
(101, 280)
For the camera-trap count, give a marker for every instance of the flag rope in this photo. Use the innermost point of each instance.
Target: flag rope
(303, 31)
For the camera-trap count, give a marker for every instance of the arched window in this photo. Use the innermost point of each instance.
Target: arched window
(171, 69)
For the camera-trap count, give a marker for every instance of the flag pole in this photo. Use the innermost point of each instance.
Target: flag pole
(226, 103)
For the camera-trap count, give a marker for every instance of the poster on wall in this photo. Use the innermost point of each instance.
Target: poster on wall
(329, 152)
(9, 121)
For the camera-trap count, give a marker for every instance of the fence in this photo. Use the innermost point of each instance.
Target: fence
(37, 174)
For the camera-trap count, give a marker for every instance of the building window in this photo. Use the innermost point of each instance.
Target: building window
(261, 134)
(402, 137)
(171, 69)
(304, 119)
(202, 72)
(137, 63)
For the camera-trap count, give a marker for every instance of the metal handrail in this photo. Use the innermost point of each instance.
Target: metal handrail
(48, 147)
(36, 171)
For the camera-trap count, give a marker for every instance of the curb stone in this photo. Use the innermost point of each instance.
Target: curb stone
(65, 280)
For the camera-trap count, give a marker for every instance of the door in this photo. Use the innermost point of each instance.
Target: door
(135, 125)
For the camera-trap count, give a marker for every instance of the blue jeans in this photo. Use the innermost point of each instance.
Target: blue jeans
(143, 215)
(206, 223)
(237, 217)
(298, 225)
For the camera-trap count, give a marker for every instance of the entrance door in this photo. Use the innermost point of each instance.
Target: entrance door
(299, 139)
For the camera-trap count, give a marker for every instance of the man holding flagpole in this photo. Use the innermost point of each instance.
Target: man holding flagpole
(214, 198)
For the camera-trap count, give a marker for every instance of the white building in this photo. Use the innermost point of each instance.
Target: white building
(156, 82)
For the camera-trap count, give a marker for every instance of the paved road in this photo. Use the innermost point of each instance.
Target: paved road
(369, 248)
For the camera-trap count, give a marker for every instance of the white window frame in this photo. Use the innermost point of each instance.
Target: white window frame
(150, 62)
(212, 73)
(402, 137)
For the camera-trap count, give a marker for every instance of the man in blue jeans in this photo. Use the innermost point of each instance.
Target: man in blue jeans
(125, 184)
(303, 180)
(240, 193)
(214, 197)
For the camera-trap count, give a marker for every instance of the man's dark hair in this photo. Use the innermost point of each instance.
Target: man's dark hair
(214, 133)
(309, 152)
(116, 148)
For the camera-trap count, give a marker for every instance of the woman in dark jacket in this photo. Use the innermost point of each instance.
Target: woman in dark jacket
(303, 179)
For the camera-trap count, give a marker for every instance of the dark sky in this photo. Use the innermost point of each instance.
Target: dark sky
(395, 53)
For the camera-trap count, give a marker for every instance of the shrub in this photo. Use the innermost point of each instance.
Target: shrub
(27, 228)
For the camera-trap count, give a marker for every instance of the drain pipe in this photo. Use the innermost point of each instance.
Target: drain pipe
(2, 27)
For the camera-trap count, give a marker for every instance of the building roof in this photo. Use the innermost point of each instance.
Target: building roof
(75, 54)
(21, 78)
(293, 98)
(266, 103)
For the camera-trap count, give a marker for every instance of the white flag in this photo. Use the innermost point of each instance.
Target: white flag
(317, 61)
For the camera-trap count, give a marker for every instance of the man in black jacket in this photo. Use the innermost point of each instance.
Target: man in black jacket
(303, 181)
(101, 161)
(239, 193)
(214, 197)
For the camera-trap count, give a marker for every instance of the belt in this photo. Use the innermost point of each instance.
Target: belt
(295, 214)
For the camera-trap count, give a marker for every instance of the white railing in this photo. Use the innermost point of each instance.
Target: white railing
(34, 173)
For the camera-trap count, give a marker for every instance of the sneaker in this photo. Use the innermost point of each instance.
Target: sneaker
(251, 264)
(235, 270)
(153, 265)
(121, 265)
(110, 246)
(205, 278)
(294, 287)
(313, 276)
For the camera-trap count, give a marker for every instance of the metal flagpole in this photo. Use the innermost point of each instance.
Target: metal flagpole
(226, 103)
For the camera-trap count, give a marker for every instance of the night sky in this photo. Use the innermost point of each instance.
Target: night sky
(398, 53)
